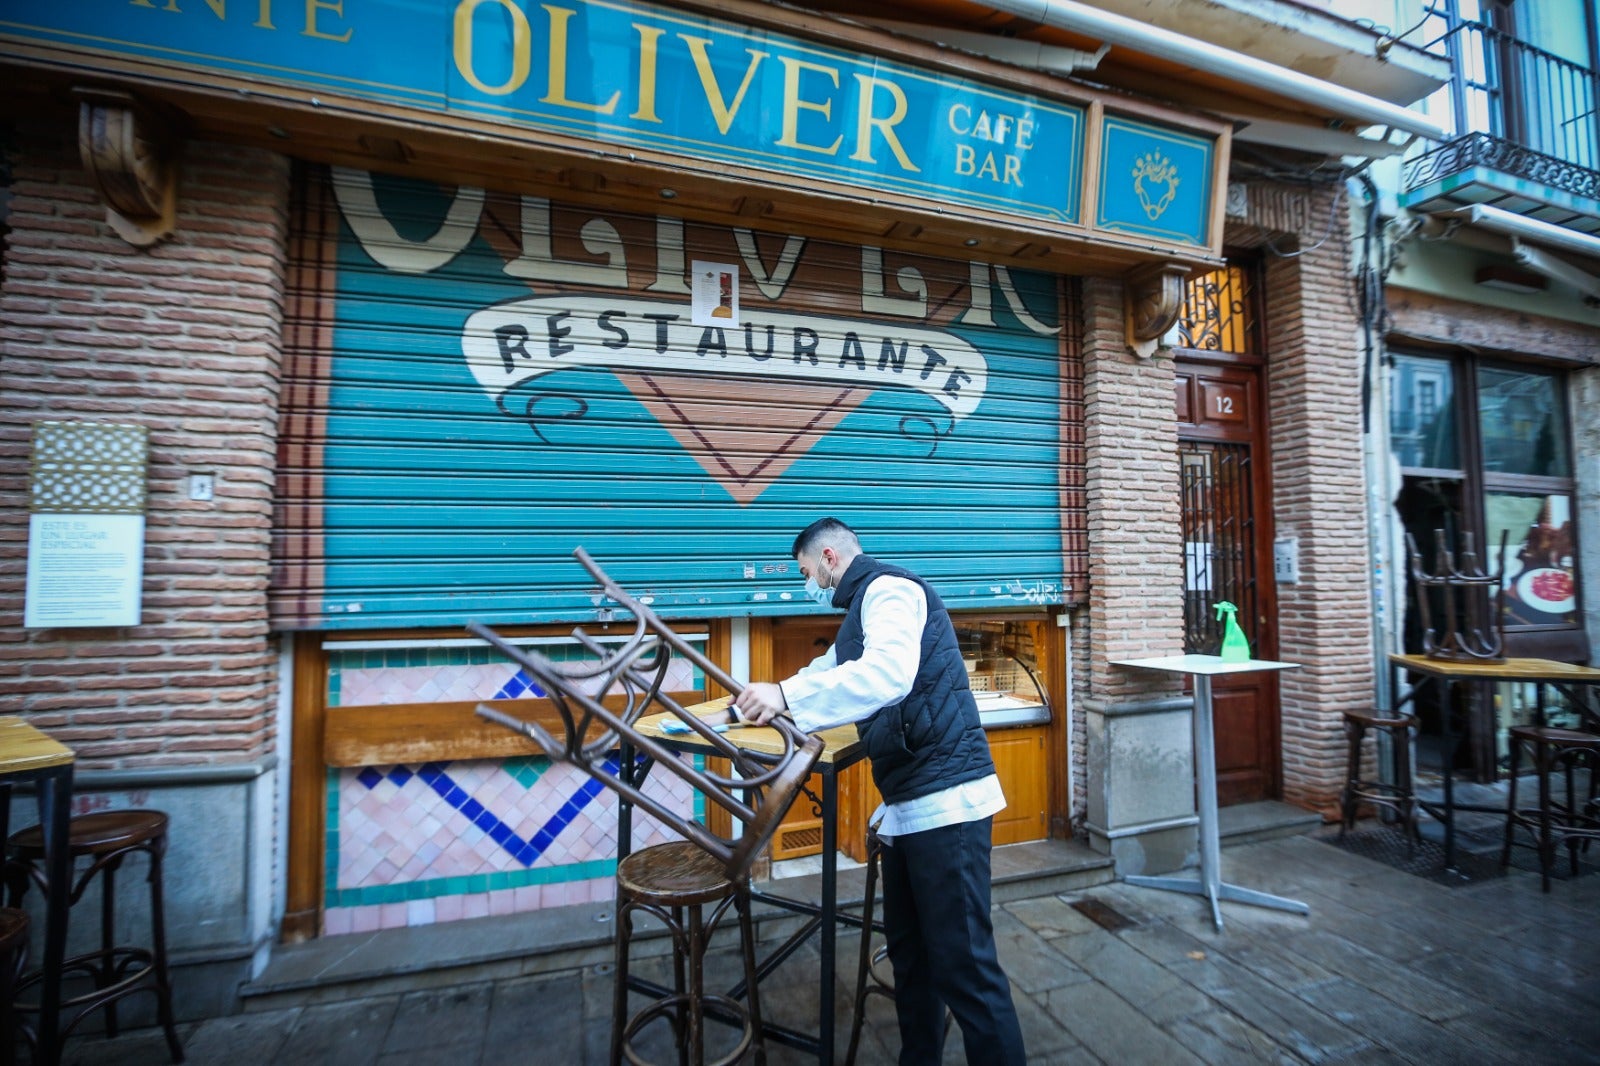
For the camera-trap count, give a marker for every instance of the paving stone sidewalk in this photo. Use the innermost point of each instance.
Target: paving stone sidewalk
(1388, 968)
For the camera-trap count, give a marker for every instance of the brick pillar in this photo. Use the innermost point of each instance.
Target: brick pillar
(1139, 751)
(1314, 386)
(183, 338)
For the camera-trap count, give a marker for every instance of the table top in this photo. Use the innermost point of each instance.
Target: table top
(841, 744)
(23, 748)
(1207, 665)
(1505, 670)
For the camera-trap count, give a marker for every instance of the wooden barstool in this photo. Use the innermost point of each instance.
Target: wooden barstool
(1398, 795)
(869, 982)
(117, 971)
(1573, 822)
(667, 880)
(13, 953)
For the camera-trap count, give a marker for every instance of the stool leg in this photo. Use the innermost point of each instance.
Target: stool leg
(747, 941)
(103, 974)
(685, 1016)
(1401, 750)
(696, 1044)
(864, 963)
(1512, 817)
(619, 995)
(1547, 848)
(158, 934)
(1352, 774)
(1569, 815)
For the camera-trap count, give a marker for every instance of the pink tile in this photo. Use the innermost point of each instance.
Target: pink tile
(366, 919)
(526, 898)
(502, 902)
(336, 921)
(392, 916)
(475, 905)
(448, 908)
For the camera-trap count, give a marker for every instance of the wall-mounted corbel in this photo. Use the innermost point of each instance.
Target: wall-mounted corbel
(1152, 297)
(128, 148)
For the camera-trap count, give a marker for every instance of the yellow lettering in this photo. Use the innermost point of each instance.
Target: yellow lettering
(967, 118)
(792, 104)
(866, 122)
(987, 170)
(1024, 133)
(965, 163)
(648, 36)
(264, 16)
(521, 47)
(312, 7)
(1014, 170)
(723, 113)
(557, 92)
(980, 128)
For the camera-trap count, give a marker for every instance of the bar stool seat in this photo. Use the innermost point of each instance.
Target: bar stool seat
(667, 880)
(1574, 821)
(117, 971)
(1398, 795)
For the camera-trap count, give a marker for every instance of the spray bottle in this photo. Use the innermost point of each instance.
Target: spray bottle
(1235, 649)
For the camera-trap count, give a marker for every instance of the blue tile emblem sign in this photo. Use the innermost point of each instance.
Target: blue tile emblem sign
(1155, 181)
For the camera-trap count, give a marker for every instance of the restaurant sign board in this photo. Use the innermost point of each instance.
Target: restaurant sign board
(647, 77)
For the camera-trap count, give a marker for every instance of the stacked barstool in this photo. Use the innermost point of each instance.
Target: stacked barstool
(116, 971)
(1573, 821)
(674, 881)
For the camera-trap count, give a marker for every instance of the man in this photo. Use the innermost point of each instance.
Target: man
(896, 671)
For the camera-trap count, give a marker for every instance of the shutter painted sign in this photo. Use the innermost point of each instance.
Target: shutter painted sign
(479, 383)
(641, 76)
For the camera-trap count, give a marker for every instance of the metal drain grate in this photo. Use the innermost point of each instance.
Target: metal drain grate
(1424, 859)
(1104, 915)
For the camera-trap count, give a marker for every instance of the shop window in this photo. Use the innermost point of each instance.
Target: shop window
(1484, 450)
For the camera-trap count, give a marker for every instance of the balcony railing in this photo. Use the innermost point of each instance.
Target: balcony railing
(1519, 109)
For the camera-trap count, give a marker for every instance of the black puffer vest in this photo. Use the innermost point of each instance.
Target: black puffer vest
(931, 739)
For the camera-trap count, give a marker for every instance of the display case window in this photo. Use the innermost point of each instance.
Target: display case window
(1003, 669)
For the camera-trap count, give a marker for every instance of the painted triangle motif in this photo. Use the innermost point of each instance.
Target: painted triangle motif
(744, 432)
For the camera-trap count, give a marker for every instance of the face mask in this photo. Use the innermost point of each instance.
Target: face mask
(818, 593)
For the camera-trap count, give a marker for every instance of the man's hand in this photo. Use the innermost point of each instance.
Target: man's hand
(760, 702)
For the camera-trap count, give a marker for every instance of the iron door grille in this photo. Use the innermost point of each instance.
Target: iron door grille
(1219, 541)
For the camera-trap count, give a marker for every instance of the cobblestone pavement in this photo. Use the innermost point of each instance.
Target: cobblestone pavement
(1388, 968)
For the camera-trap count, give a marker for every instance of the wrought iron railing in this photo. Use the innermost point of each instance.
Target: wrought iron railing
(1519, 109)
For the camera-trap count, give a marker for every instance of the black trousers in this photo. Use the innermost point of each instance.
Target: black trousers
(941, 945)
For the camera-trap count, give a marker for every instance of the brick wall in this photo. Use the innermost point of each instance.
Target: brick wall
(182, 338)
(1135, 558)
(1314, 385)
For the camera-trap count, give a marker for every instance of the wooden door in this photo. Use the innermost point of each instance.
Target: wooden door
(1227, 534)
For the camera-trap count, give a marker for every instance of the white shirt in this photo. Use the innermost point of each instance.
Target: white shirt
(828, 693)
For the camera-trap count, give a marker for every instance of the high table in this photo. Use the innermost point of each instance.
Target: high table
(1540, 672)
(26, 754)
(1202, 668)
(842, 749)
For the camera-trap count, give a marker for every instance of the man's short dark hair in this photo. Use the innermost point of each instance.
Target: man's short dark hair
(822, 533)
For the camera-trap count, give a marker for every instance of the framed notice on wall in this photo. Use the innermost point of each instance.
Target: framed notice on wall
(86, 529)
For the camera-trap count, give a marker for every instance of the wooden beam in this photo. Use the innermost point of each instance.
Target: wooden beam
(308, 794)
